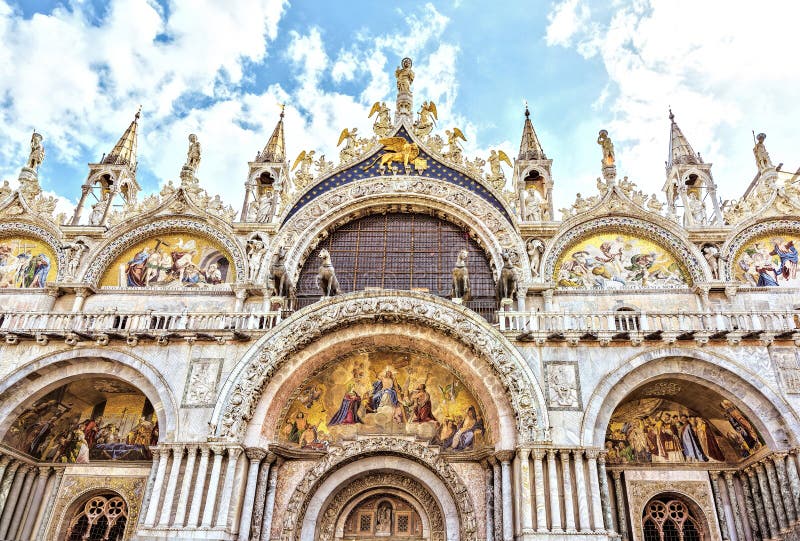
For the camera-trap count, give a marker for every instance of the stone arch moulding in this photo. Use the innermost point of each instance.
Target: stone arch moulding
(47, 236)
(53, 370)
(423, 464)
(243, 389)
(749, 230)
(681, 248)
(303, 230)
(104, 256)
(773, 417)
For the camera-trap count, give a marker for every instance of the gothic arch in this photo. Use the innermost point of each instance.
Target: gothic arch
(671, 240)
(748, 230)
(333, 472)
(240, 395)
(104, 255)
(693, 495)
(312, 222)
(773, 417)
(50, 371)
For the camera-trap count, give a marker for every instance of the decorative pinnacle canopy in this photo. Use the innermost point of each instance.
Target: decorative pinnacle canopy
(275, 151)
(529, 147)
(680, 151)
(124, 152)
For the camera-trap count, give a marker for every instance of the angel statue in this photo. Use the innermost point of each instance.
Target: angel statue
(404, 75)
(350, 150)
(193, 155)
(383, 122)
(496, 175)
(428, 115)
(398, 150)
(323, 166)
(608, 148)
(303, 176)
(36, 156)
(453, 152)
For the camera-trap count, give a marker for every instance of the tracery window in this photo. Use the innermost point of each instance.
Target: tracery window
(101, 518)
(400, 251)
(668, 519)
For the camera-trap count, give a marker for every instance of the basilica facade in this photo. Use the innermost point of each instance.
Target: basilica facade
(405, 343)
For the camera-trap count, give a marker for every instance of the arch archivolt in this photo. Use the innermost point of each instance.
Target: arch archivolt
(773, 417)
(406, 465)
(682, 249)
(48, 372)
(243, 390)
(731, 250)
(316, 219)
(105, 254)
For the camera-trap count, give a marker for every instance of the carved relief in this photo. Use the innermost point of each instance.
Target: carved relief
(563, 385)
(201, 383)
(788, 367)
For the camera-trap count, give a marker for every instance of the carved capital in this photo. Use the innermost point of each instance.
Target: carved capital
(504, 456)
(255, 454)
(538, 454)
(592, 454)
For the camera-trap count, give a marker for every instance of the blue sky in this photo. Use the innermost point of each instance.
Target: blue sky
(76, 71)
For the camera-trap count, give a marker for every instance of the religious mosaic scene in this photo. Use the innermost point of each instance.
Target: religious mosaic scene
(400, 340)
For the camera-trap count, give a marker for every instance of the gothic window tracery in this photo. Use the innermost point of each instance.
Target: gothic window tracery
(100, 518)
(668, 519)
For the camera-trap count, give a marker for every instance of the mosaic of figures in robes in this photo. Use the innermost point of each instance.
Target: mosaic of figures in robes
(384, 393)
(172, 260)
(85, 421)
(26, 262)
(618, 261)
(652, 430)
(768, 261)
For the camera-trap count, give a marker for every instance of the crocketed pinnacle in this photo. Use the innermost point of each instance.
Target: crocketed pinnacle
(124, 152)
(275, 151)
(529, 147)
(680, 151)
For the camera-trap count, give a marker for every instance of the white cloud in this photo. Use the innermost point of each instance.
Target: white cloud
(567, 19)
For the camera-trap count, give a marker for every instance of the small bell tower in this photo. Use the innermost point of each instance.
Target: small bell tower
(532, 177)
(112, 181)
(689, 187)
(268, 188)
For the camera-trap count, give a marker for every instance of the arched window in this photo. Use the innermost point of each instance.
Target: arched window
(669, 519)
(100, 518)
(400, 251)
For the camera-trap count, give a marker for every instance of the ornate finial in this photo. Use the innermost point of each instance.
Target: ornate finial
(139, 112)
(283, 108)
(671, 116)
(527, 111)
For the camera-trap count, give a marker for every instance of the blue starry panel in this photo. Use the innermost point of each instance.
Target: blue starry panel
(436, 169)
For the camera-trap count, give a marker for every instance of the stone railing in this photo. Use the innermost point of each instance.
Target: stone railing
(639, 325)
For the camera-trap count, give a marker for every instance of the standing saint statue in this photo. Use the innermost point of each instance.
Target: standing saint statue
(36, 156)
(608, 148)
(404, 75)
(760, 151)
(193, 156)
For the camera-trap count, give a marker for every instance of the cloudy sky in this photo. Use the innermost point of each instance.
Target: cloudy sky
(76, 71)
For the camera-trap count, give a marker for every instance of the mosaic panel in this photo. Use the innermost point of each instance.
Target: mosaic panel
(26, 262)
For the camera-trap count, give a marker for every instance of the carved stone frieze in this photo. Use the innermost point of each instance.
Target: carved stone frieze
(239, 403)
(298, 503)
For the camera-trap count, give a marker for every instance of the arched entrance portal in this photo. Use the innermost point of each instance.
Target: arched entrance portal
(100, 517)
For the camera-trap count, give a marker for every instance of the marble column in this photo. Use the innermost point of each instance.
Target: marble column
(735, 507)
(224, 518)
(538, 484)
(199, 486)
(269, 506)
(758, 503)
(777, 500)
(8, 480)
(594, 489)
(779, 459)
(4, 460)
(526, 499)
(766, 498)
(605, 493)
(35, 504)
(508, 516)
(583, 499)
(186, 486)
(162, 454)
(622, 518)
(498, 499)
(148, 490)
(555, 504)
(22, 502)
(260, 501)
(13, 498)
(794, 479)
(51, 500)
(213, 487)
(254, 456)
(569, 508)
(748, 505)
(723, 523)
(172, 485)
(488, 480)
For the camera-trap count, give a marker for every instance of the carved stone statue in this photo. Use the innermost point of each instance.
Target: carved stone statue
(98, 210)
(323, 166)
(712, 255)
(697, 209)
(266, 206)
(453, 152)
(193, 155)
(608, 148)
(326, 277)
(654, 205)
(256, 250)
(281, 283)
(762, 156)
(535, 251)
(427, 118)
(496, 175)
(507, 282)
(383, 121)
(304, 176)
(405, 76)
(626, 186)
(350, 150)
(36, 155)
(533, 205)
(5, 190)
(73, 252)
(461, 288)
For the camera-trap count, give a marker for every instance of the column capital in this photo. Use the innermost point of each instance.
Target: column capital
(44, 470)
(234, 452)
(564, 454)
(504, 456)
(255, 454)
(750, 471)
(779, 455)
(616, 474)
(728, 475)
(523, 453)
(578, 453)
(217, 448)
(5, 459)
(538, 454)
(592, 454)
(714, 473)
(205, 450)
